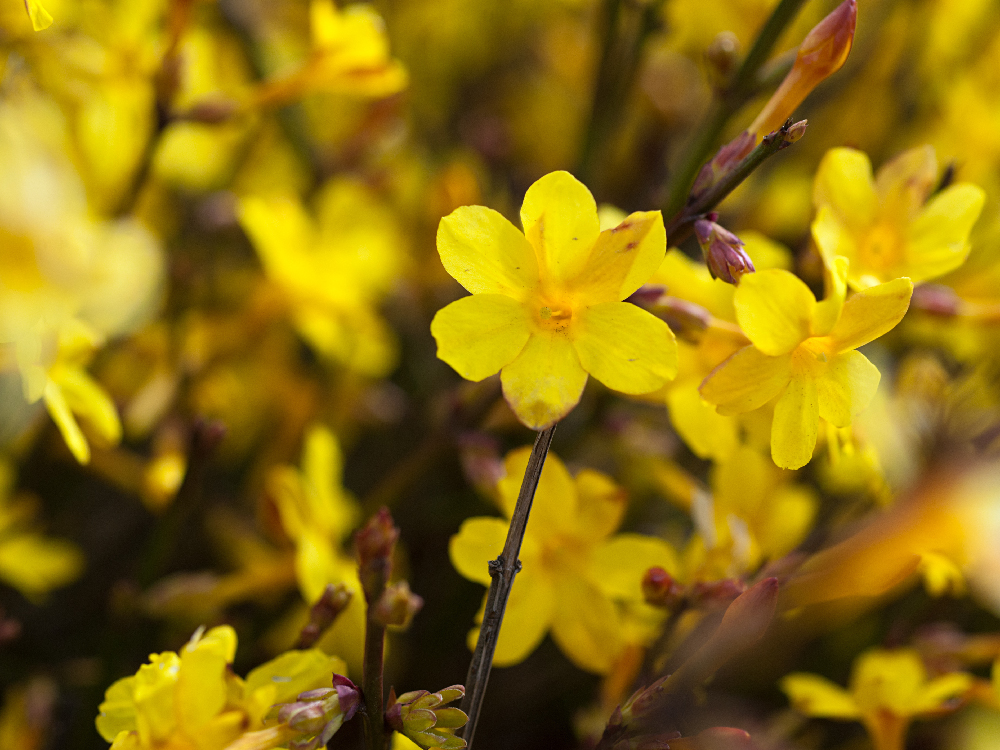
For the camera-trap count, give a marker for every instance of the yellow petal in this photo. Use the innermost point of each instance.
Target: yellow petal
(201, 680)
(154, 697)
(938, 237)
(846, 388)
(706, 432)
(796, 424)
(555, 505)
(35, 565)
(294, 672)
(315, 563)
(832, 237)
(828, 311)
(625, 347)
(619, 564)
(586, 626)
(486, 253)
(817, 696)
(623, 258)
(58, 408)
(904, 182)
(791, 510)
(527, 619)
(844, 182)
(941, 689)
(89, 401)
(480, 334)
(601, 504)
(559, 217)
(775, 310)
(545, 381)
(40, 18)
(871, 313)
(478, 541)
(117, 711)
(746, 381)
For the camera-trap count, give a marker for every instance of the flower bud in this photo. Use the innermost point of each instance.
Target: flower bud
(422, 717)
(936, 299)
(686, 319)
(316, 715)
(724, 253)
(821, 54)
(375, 544)
(397, 605)
(661, 589)
(722, 56)
(324, 612)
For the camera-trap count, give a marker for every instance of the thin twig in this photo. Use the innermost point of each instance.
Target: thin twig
(502, 570)
(741, 88)
(680, 226)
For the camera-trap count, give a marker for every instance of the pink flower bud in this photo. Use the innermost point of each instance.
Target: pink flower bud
(724, 253)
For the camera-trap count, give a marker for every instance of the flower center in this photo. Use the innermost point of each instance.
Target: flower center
(813, 356)
(882, 247)
(553, 316)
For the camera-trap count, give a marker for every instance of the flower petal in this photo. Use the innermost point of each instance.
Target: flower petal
(478, 541)
(796, 424)
(871, 313)
(844, 182)
(40, 18)
(545, 381)
(938, 237)
(775, 310)
(478, 335)
(555, 504)
(559, 217)
(586, 626)
(486, 253)
(600, 505)
(619, 564)
(832, 237)
(623, 258)
(625, 347)
(746, 381)
(846, 388)
(813, 695)
(705, 431)
(527, 619)
(904, 182)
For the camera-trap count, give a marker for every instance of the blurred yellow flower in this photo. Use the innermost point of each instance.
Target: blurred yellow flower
(319, 516)
(40, 18)
(333, 270)
(546, 306)
(574, 570)
(888, 690)
(350, 55)
(193, 700)
(30, 562)
(891, 226)
(803, 354)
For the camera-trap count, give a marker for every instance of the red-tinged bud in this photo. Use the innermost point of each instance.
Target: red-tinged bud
(481, 462)
(324, 612)
(795, 133)
(686, 319)
(375, 544)
(397, 606)
(936, 299)
(716, 738)
(647, 295)
(822, 53)
(640, 702)
(723, 162)
(715, 593)
(661, 589)
(724, 253)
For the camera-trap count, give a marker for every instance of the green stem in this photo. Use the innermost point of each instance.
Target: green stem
(502, 571)
(680, 226)
(744, 85)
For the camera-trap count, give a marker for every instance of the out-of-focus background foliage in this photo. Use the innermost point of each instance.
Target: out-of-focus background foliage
(217, 276)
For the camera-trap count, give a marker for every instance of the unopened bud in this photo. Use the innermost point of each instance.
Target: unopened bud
(822, 53)
(715, 593)
(722, 56)
(725, 161)
(423, 717)
(724, 253)
(375, 544)
(686, 319)
(936, 299)
(647, 295)
(397, 605)
(324, 612)
(305, 717)
(660, 589)
(795, 132)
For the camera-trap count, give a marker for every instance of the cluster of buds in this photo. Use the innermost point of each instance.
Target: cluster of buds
(724, 253)
(317, 714)
(424, 718)
(661, 589)
(397, 606)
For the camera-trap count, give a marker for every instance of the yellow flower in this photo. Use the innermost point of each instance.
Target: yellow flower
(803, 354)
(333, 269)
(546, 306)
(573, 570)
(40, 18)
(193, 701)
(886, 227)
(319, 515)
(888, 690)
(350, 55)
(30, 562)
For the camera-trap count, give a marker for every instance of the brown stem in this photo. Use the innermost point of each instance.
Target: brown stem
(502, 570)
(371, 683)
